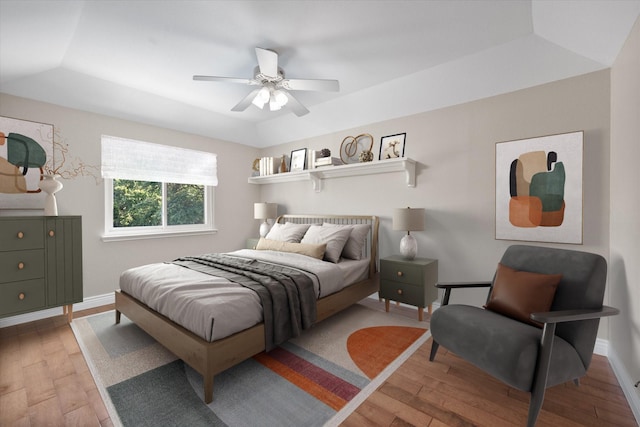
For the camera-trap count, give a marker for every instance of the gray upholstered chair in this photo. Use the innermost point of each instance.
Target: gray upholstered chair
(525, 356)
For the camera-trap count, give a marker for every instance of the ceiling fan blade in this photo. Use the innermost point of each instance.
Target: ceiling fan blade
(246, 101)
(298, 109)
(268, 62)
(225, 79)
(310, 84)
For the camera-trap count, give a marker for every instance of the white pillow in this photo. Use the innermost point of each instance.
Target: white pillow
(334, 237)
(353, 249)
(287, 232)
(315, 251)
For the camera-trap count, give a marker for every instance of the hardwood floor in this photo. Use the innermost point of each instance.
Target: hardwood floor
(45, 381)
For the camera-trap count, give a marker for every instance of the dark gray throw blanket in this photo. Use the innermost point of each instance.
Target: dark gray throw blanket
(287, 295)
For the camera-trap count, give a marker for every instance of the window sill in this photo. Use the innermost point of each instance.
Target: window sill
(117, 237)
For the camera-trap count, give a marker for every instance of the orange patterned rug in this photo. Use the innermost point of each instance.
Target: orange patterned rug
(373, 349)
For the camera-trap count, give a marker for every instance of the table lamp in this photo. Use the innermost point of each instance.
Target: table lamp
(410, 220)
(265, 211)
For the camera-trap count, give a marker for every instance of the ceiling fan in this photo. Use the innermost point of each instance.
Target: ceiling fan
(273, 86)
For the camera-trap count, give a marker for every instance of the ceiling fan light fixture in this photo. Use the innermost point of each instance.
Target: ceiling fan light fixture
(273, 87)
(280, 97)
(262, 97)
(273, 105)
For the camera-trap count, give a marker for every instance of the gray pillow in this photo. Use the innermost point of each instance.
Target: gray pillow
(334, 237)
(353, 249)
(287, 232)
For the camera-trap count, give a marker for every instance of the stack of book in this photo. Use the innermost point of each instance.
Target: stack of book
(317, 161)
(269, 165)
(327, 161)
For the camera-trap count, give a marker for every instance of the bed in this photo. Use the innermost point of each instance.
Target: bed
(211, 353)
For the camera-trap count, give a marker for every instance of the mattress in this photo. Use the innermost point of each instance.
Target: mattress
(213, 307)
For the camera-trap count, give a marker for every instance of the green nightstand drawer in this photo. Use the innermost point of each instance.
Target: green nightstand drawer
(402, 292)
(21, 297)
(401, 272)
(21, 265)
(21, 234)
(409, 281)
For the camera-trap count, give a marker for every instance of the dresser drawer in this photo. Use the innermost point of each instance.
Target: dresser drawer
(403, 292)
(21, 297)
(21, 265)
(401, 272)
(21, 234)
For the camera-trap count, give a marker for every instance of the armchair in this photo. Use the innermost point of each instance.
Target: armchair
(542, 347)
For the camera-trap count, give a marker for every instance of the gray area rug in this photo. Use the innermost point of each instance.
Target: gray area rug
(316, 379)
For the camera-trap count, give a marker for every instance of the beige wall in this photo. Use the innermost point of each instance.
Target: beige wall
(456, 149)
(624, 273)
(103, 262)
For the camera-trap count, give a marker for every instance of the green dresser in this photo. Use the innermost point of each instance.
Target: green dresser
(409, 281)
(40, 263)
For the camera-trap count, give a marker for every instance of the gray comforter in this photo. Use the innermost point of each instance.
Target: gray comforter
(287, 295)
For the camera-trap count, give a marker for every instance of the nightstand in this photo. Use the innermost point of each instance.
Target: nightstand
(409, 281)
(252, 243)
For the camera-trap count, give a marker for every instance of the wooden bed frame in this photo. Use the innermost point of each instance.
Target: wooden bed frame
(210, 358)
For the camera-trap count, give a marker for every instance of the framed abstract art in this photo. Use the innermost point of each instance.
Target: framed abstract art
(25, 148)
(539, 189)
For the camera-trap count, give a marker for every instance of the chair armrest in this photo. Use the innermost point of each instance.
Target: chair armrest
(462, 285)
(573, 315)
(447, 286)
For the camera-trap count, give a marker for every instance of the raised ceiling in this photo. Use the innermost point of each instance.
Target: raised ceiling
(135, 59)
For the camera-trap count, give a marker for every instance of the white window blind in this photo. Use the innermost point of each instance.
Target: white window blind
(143, 161)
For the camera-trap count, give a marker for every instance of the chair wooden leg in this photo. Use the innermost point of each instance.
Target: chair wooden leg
(542, 370)
(434, 350)
(535, 404)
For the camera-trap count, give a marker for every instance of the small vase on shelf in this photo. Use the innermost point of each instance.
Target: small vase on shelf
(50, 185)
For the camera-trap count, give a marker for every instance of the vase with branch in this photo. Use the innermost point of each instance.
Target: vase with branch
(62, 165)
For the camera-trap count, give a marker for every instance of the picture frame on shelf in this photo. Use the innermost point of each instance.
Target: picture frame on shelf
(298, 160)
(392, 146)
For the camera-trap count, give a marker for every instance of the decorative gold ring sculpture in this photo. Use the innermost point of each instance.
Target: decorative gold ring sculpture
(349, 146)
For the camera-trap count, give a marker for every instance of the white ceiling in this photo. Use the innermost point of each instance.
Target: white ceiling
(135, 59)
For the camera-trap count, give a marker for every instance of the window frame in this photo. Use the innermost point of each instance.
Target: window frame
(112, 233)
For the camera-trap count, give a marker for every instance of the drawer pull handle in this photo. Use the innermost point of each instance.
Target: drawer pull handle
(400, 274)
(21, 296)
(51, 233)
(399, 291)
(20, 265)
(20, 234)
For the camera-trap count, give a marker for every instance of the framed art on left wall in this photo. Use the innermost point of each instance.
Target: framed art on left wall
(25, 148)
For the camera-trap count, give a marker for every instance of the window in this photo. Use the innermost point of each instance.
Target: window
(153, 190)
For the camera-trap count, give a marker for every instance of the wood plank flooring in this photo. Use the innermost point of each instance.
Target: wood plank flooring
(45, 381)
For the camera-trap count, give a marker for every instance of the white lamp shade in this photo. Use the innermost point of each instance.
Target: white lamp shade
(265, 210)
(408, 219)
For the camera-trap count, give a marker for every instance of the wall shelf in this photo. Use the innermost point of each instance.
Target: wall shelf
(316, 176)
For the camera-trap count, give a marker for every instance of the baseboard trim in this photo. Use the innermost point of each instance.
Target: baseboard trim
(89, 302)
(626, 383)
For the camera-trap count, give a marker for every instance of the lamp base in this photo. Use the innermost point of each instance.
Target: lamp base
(408, 247)
(264, 229)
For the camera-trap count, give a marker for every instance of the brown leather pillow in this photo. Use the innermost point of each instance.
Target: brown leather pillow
(517, 294)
